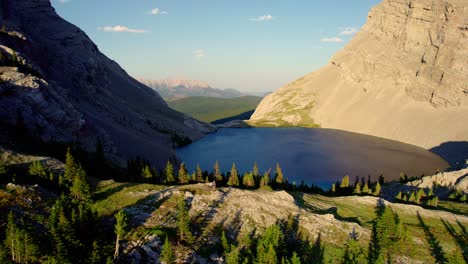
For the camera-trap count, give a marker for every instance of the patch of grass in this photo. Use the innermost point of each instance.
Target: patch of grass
(113, 196)
(209, 109)
(453, 207)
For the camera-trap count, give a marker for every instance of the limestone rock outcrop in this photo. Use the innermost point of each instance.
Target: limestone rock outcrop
(404, 76)
(56, 80)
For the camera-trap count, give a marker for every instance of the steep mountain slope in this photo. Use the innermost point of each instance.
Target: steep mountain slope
(63, 89)
(173, 89)
(403, 77)
(209, 109)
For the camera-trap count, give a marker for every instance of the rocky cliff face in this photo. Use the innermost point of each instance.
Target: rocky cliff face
(54, 78)
(404, 76)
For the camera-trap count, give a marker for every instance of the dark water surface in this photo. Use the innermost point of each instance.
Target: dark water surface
(319, 156)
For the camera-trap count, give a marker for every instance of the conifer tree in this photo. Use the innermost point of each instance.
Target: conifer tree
(354, 253)
(3, 169)
(36, 169)
(183, 176)
(183, 220)
(377, 189)
(120, 229)
(225, 243)
(265, 180)
(398, 197)
(233, 177)
(12, 240)
(366, 189)
(430, 192)
(248, 180)
(295, 259)
(70, 168)
(169, 173)
(345, 182)
(412, 198)
(357, 189)
(199, 173)
(232, 257)
(463, 198)
(167, 254)
(146, 174)
(279, 178)
(80, 188)
(255, 169)
(217, 172)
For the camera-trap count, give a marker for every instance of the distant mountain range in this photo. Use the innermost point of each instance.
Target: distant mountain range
(174, 88)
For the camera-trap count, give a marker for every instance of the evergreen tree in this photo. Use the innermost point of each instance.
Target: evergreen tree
(333, 188)
(295, 259)
(402, 177)
(217, 172)
(199, 173)
(12, 239)
(36, 169)
(265, 181)
(279, 178)
(357, 189)
(233, 177)
(183, 175)
(232, 257)
(167, 254)
(3, 169)
(255, 169)
(430, 192)
(146, 174)
(412, 198)
(463, 198)
(248, 180)
(71, 168)
(80, 188)
(345, 182)
(169, 173)
(183, 220)
(366, 189)
(377, 189)
(398, 197)
(120, 230)
(354, 253)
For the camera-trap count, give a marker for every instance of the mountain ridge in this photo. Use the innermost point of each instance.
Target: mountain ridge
(402, 77)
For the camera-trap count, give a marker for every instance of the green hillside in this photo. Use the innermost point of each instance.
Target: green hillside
(209, 109)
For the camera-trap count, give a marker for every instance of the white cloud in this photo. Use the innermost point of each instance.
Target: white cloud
(157, 11)
(333, 39)
(199, 54)
(262, 18)
(348, 31)
(119, 28)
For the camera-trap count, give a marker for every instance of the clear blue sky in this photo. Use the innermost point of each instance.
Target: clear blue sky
(250, 45)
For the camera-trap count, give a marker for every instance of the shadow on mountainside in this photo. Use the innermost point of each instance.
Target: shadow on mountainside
(436, 249)
(461, 238)
(454, 152)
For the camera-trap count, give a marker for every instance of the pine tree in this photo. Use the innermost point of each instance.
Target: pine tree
(412, 198)
(120, 229)
(233, 177)
(12, 240)
(265, 180)
(146, 174)
(80, 188)
(232, 257)
(435, 201)
(167, 254)
(357, 189)
(430, 192)
(248, 180)
(255, 169)
(183, 176)
(71, 168)
(183, 220)
(36, 169)
(366, 189)
(199, 173)
(354, 253)
(398, 197)
(344, 182)
(279, 178)
(3, 169)
(463, 198)
(295, 259)
(377, 189)
(217, 172)
(169, 173)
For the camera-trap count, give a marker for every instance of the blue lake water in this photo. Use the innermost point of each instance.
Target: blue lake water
(318, 156)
